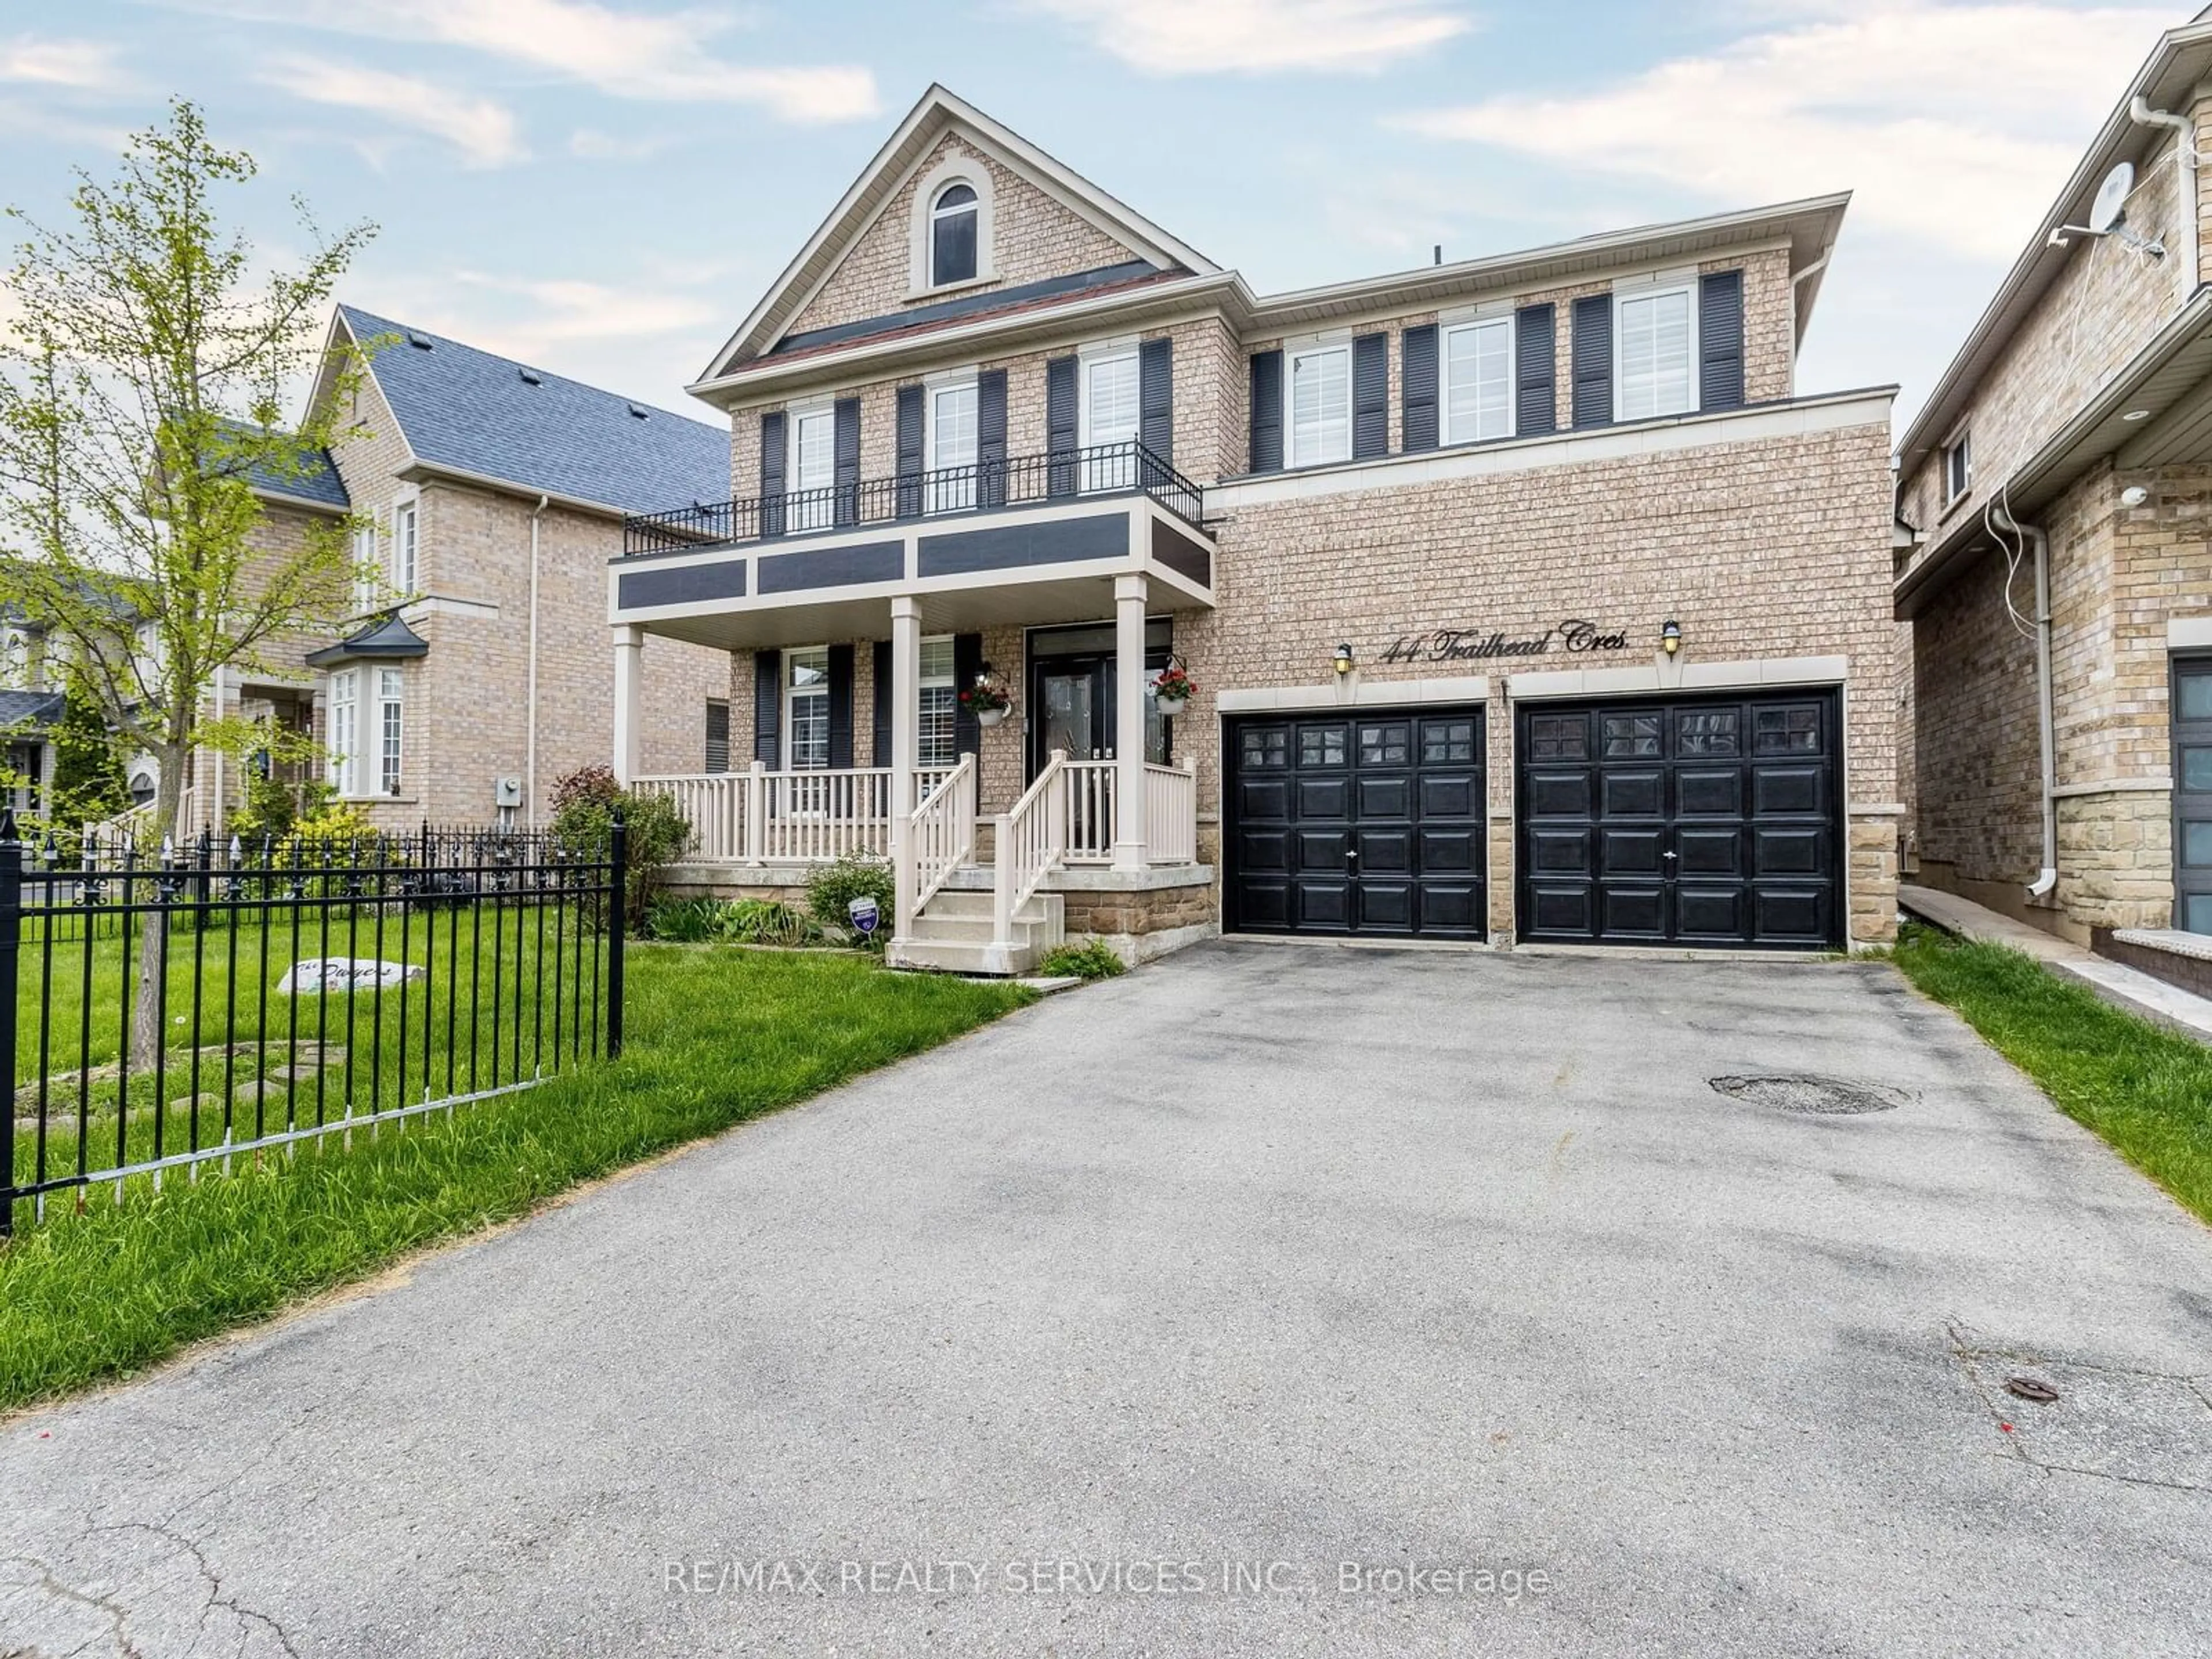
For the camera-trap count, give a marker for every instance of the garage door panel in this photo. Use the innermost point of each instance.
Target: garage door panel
(1445, 850)
(1640, 793)
(1637, 852)
(1712, 819)
(1709, 852)
(1367, 823)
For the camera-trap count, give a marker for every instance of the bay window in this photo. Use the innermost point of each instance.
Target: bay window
(343, 731)
(389, 713)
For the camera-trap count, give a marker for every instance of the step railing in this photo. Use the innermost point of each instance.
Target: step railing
(1172, 813)
(1089, 792)
(941, 835)
(1027, 845)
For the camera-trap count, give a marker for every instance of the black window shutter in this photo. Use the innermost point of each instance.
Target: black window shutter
(990, 438)
(882, 750)
(767, 708)
(772, 473)
(1371, 396)
(1267, 411)
(848, 460)
(1417, 389)
(909, 452)
(967, 663)
(840, 705)
(717, 734)
(1060, 429)
(1593, 362)
(1535, 370)
(1720, 340)
(1156, 398)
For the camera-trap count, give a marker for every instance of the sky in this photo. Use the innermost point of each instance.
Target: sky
(603, 188)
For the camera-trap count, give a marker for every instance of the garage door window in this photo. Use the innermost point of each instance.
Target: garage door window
(1786, 732)
(1385, 746)
(1321, 745)
(1446, 741)
(1267, 750)
(1711, 732)
(1628, 736)
(1559, 738)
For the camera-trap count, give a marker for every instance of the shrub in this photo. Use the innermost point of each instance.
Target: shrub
(768, 921)
(1092, 959)
(583, 806)
(832, 887)
(683, 921)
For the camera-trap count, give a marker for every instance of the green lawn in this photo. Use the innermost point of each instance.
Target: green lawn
(2145, 1090)
(242, 1059)
(714, 1037)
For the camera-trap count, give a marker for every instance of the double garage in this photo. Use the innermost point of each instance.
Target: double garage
(1710, 821)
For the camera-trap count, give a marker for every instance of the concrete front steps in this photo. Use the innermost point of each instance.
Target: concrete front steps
(953, 934)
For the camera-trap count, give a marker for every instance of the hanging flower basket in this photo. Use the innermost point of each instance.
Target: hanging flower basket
(1172, 691)
(987, 702)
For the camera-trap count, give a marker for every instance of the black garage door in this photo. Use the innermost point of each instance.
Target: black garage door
(1710, 821)
(1357, 823)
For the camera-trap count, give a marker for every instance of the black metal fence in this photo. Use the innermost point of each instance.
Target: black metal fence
(1015, 480)
(164, 1012)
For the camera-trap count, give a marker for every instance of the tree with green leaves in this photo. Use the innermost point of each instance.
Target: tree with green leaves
(142, 372)
(88, 782)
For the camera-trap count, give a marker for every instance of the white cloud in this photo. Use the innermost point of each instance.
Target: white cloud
(483, 131)
(77, 65)
(589, 144)
(1201, 37)
(629, 54)
(1954, 125)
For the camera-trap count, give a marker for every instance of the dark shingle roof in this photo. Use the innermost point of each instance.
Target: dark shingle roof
(387, 637)
(464, 408)
(29, 708)
(317, 481)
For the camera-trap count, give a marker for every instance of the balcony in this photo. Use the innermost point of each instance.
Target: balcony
(1102, 471)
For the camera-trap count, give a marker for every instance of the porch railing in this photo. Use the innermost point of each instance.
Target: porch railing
(1089, 786)
(1172, 813)
(1127, 468)
(795, 816)
(1027, 844)
(941, 834)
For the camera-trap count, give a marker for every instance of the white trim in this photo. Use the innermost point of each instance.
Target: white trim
(408, 503)
(1447, 434)
(961, 169)
(1379, 694)
(1690, 677)
(817, 515)
(955, 495)
(1292, 357)
(1666, 435)
(2189, 633)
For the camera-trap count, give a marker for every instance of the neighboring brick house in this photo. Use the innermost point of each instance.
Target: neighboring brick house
(1524, 597)
(472, 677)
(2056, 499)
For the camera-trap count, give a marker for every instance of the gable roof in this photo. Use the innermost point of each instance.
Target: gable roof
(937, 112)
(29, 710)
(489, 418)
(314, 483)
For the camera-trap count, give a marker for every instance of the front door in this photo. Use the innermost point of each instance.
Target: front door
(2192, 794)
(1072, 697)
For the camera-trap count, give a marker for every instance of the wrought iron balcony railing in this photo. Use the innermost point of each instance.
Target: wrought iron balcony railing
(981, 487)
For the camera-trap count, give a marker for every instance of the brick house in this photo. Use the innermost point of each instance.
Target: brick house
(489, 496)
(1524, 597)
(2055, 497)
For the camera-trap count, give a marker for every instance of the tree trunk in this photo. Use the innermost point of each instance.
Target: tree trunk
(149, 1042)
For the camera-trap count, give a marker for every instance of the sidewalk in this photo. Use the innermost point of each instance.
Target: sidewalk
(2125, 987)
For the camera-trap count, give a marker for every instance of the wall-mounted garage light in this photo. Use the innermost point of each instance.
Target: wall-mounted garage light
(1670, 637)
(1344, 664)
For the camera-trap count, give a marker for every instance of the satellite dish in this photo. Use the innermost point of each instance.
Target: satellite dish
(2112, 198)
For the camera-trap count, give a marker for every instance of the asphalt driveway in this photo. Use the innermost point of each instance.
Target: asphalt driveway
(1184, 1315)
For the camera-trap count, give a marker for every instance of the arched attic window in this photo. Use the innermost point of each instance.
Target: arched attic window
(953, 234)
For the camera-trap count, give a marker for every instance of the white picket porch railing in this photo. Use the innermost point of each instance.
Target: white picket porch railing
(1027, 844)
(941, 834)
(1090, 788)
(1172, 813)
(800, 815)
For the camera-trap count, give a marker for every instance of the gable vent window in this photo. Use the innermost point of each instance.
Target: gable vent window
(952, 239)
(1655, 354)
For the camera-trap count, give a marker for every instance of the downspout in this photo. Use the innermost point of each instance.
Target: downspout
(2186, 206)
(530, 740)
(2047, 878)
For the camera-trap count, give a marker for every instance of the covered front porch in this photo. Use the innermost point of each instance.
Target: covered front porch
(1005, 830)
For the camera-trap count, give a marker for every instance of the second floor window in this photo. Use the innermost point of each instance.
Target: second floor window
(806, 707)
(813, 469)
(1321, 406)
(952, 235)
(1478, 382)
(953, 430)
(1657, 355)
(405, 546)
(1109, 413)
(1958, 468)
(367, 583)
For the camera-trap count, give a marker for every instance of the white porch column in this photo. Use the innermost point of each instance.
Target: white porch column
(1129, 850)
(629, 696)
(905, 732)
